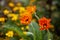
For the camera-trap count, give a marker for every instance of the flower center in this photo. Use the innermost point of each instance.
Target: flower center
(26, 19)
(44, 25)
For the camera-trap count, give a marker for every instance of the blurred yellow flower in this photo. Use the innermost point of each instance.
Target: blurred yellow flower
(25, 32)
(27, 27)
(15, 8)
(22, 28)
(21, 9)
(6, 11)
(10, 34)
(11, 4)
(14, 17)
(18, 4)
(2, 19)
(21, 39)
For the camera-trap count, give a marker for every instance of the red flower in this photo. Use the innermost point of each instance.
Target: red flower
(44, 23)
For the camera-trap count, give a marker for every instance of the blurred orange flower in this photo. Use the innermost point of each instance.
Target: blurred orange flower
(44, 23)
(31, 1)
(31, 9)
(25, 18)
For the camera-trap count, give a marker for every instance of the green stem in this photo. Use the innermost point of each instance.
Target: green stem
(33, 32)
(40, 30)
(36, 16)
(48, 34)
(41, 35)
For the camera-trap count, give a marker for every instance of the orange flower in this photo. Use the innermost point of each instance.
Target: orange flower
(25, 18)
(32, 0)
(31, 9)
(44, 23)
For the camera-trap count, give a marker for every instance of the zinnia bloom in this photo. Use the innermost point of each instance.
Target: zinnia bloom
(31, 1)
(25, 18)
(31, 9)
(44, 23)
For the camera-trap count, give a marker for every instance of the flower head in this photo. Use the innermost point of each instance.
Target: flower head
(31, 1)
(44, 23)
(31, 9)
(9, 34)
(11, 4)
(6, 11)
(2, 19)
(13, 17)
(25, 32)
(18, 4)
(15, 8)
(22, 9)
(27, 27)
(25, 18)
(22, 28)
